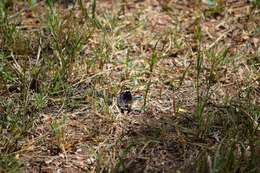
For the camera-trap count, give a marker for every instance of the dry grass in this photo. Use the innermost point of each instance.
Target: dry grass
(196, 65)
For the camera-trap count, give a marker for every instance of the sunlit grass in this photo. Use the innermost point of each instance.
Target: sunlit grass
(60, 78)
